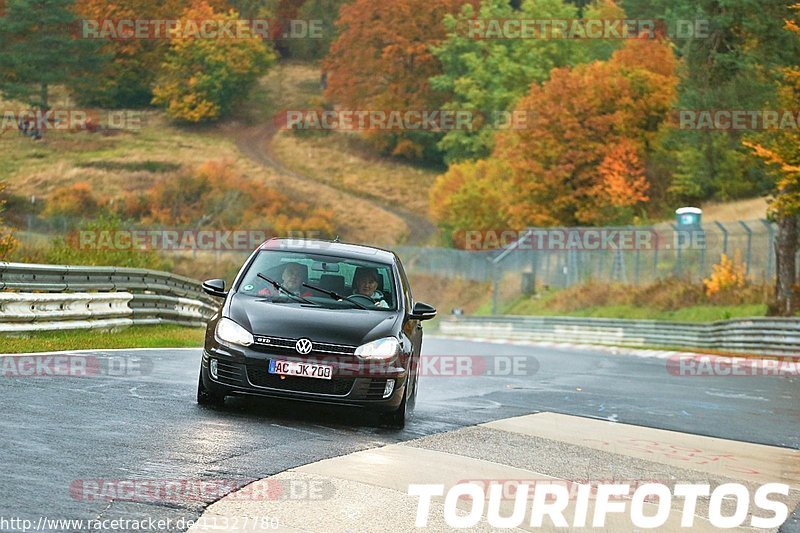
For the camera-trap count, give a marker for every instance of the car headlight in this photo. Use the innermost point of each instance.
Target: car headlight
(381, 349)
(230, 331)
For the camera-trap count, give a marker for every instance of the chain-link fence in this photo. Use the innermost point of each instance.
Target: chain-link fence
(563, 257)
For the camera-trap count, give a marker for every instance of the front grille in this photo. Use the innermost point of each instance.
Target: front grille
(376, 388)
(287, 346)
(260, 377)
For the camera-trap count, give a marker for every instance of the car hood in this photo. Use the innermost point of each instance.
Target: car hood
(336, 326)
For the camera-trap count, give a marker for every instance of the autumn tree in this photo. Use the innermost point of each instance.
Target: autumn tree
(580, 159)
(202, 79)
(39, 50)
(382, 60)
(582, 156)
(488, 76)
(127, 76)
(470, 195)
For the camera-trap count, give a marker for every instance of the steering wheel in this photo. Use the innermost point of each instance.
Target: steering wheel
(360, 298)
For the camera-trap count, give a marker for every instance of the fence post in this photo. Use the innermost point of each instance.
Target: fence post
(678, 268)
(495, 288)
(770, 250)
(749, 247)
(655, 255)
(724, 237)
(572, 267)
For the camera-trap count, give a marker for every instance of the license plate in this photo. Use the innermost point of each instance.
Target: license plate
(297, 368)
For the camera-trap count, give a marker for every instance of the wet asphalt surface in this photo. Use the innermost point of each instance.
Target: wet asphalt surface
(141, 422)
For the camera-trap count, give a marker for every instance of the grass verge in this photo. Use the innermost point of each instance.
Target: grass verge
(161, 336)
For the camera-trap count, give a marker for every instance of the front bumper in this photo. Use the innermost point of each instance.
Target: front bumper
(352, 383)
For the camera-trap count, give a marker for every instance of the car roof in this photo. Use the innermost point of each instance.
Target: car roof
(332, 248)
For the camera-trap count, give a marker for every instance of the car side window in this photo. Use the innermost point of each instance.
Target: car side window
(405, 285)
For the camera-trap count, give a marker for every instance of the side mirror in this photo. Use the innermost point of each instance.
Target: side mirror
(215, 287)
(423, 311)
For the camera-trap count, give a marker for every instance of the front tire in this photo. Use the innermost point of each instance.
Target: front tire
(397, 419)
(206, 397)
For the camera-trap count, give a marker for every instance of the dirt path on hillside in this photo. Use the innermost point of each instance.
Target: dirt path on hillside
(256, 143)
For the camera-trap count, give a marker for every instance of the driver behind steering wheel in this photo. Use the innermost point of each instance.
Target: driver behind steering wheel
(365, 283)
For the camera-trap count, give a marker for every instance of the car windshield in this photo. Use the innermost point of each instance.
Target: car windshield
(299, 278)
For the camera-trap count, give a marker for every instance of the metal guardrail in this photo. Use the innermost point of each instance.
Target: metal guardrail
(54, 297)
(763, 336)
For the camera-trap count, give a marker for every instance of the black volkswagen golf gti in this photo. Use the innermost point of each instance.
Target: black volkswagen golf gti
(318, 321)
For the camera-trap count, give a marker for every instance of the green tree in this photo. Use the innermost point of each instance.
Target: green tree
(203, 79)
(488, 76)
(323, 13)
(727, 67)
(382, 60)
(38, 50)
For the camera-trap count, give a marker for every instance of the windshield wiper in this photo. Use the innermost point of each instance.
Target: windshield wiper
(286, 291)
(334, 295)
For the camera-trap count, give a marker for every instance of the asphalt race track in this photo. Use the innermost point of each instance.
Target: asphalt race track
(138, 420)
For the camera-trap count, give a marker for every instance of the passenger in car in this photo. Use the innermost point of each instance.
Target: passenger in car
(293, 277)
(365, 283)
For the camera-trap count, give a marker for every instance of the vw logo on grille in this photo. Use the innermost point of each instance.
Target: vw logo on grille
(303, 346)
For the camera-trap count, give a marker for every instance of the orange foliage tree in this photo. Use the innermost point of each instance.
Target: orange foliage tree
(582, 157)
(382, 60)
